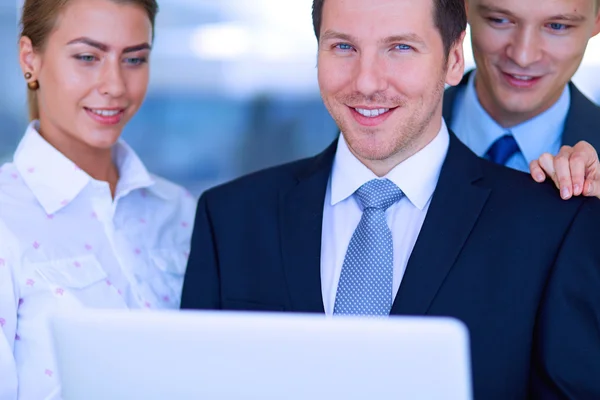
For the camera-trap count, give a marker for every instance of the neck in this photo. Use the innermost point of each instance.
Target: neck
(381, 167)
(97, 163)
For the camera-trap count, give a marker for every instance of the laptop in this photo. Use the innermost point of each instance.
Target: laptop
(212, 355)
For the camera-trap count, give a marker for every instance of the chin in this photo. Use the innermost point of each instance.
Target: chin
(523, 106)
(376, 154)
(369, 148)
(102, 142)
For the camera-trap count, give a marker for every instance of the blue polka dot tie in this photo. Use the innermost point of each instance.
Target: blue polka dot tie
(365, 286)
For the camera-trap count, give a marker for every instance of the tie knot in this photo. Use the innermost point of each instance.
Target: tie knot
(379, 194)
(502, 149)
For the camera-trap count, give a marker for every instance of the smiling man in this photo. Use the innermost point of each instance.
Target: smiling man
(398, 217)
(520, 103)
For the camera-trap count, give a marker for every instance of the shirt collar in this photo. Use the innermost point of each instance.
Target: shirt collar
(533, 136)
(133, 175)
(416, 176)
(56, 181)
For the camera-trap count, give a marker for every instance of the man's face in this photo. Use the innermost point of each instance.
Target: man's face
(382, 69)
(526, 51)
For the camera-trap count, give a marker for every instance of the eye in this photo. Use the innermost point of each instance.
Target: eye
(343, 46)
(555, 26)
(85, 58)
(498, 21)
(403, 47)
(136, 60)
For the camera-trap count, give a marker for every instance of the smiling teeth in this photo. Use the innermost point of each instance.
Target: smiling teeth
(522, 77)
(372, 113)
(106, 113)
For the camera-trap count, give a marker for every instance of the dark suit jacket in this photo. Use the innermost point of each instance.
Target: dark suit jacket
(582, 123)
(518, 265)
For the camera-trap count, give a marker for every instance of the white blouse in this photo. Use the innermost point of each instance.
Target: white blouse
(67, 245)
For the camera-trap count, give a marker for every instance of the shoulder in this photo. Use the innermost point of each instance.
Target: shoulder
(169, 192)
(13, 190)
(582, 120)
(261, 184)
(11, 250)
(579, 99)
(512, 194)
(9, 174)
(521, 193)
(167, 187)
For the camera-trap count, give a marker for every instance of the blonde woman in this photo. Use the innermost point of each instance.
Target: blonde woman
(94, 228)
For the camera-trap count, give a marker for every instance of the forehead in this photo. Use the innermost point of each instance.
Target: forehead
(377, 18)
(103, 21)
(538, 8)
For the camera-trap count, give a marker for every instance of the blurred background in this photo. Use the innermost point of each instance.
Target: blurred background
(233, 89)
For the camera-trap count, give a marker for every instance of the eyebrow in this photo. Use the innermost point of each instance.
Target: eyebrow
(560, 17)
(569, 17)
(491, 9)
(408, 37)
(105, 47)
(329, 35)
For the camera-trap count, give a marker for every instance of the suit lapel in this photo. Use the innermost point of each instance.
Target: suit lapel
(454, 209)
(301, 216)
(582, 121)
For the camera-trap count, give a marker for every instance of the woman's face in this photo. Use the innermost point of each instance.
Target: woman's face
(93, 72)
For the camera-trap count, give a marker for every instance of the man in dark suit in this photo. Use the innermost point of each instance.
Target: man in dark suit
(399, 217)
(519, 103)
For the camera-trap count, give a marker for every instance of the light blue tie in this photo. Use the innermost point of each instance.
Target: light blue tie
(365, 286)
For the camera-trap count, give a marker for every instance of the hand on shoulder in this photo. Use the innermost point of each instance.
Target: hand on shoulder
(574, 170)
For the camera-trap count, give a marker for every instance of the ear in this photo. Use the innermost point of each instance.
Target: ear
(597, 21)
(456, 62)
(29, 60)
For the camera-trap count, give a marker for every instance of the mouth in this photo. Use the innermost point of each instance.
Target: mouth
(106, 116)
(520, 81)
(371, 116)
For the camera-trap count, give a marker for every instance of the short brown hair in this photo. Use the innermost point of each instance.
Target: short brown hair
(450, 17)
(38, 19)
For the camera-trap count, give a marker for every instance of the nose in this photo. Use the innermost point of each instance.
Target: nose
(525, 47)
(112, 82)
(371, 77)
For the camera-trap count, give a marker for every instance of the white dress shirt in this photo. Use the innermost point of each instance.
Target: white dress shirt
(80, 248)
(417, 177)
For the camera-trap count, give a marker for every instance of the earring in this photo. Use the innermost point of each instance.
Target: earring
(34, 85)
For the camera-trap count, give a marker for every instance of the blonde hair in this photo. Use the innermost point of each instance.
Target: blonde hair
(38, 20)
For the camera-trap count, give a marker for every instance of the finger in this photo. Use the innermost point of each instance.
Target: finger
(577, 165)
(591, 187)
(546, 162)
(563, 174)
(536, 171)
(592, 168)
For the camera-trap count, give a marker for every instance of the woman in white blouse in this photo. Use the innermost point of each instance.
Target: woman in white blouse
(93, 228)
